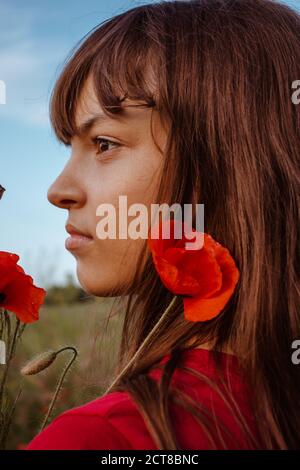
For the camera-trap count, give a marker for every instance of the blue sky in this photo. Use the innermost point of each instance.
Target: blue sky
(35, 38)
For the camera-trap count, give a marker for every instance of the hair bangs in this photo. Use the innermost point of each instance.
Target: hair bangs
(119, 58)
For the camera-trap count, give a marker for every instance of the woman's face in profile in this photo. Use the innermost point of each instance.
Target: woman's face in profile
(109, 158)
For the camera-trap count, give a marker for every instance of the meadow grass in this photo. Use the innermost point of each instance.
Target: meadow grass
(82, 325)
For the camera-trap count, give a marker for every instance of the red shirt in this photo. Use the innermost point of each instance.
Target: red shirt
(113, 422)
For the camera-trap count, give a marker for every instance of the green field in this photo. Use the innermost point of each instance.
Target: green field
(83, 325)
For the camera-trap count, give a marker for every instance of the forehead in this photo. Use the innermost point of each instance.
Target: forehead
(88, 107)
(88, 103)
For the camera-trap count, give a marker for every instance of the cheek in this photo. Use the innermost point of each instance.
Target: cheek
(108, 268)
(139, 176)
(111, 263)
(135, 176)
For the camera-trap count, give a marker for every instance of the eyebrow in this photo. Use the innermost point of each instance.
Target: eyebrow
(84, 127)
(99, 118)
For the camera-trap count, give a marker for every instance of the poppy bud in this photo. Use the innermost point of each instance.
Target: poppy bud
(39, 363)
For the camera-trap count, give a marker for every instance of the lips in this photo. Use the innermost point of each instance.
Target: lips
(78, 238)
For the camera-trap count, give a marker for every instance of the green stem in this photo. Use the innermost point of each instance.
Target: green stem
(6, 425)
(2, 322)
(8, 328)
(58, 387)
(146, 340)
(11, 350)
(15, 338)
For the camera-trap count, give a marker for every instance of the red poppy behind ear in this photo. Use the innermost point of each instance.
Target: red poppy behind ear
(206, 277)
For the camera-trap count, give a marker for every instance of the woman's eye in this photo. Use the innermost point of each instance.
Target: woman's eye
(103, 145)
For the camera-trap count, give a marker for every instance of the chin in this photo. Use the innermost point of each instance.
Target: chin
(99, 284)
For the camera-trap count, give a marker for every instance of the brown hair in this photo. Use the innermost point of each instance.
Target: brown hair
(223, 73)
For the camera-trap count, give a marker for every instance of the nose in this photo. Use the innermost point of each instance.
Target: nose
(65, 192)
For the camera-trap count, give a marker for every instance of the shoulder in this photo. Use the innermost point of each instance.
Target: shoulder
(114, 422)
(111, 422)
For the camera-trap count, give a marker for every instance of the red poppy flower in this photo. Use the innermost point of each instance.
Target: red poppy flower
(1, 191)
(18, 294)
(206, 277)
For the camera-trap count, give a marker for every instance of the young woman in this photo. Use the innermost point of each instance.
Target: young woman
(178, 102)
